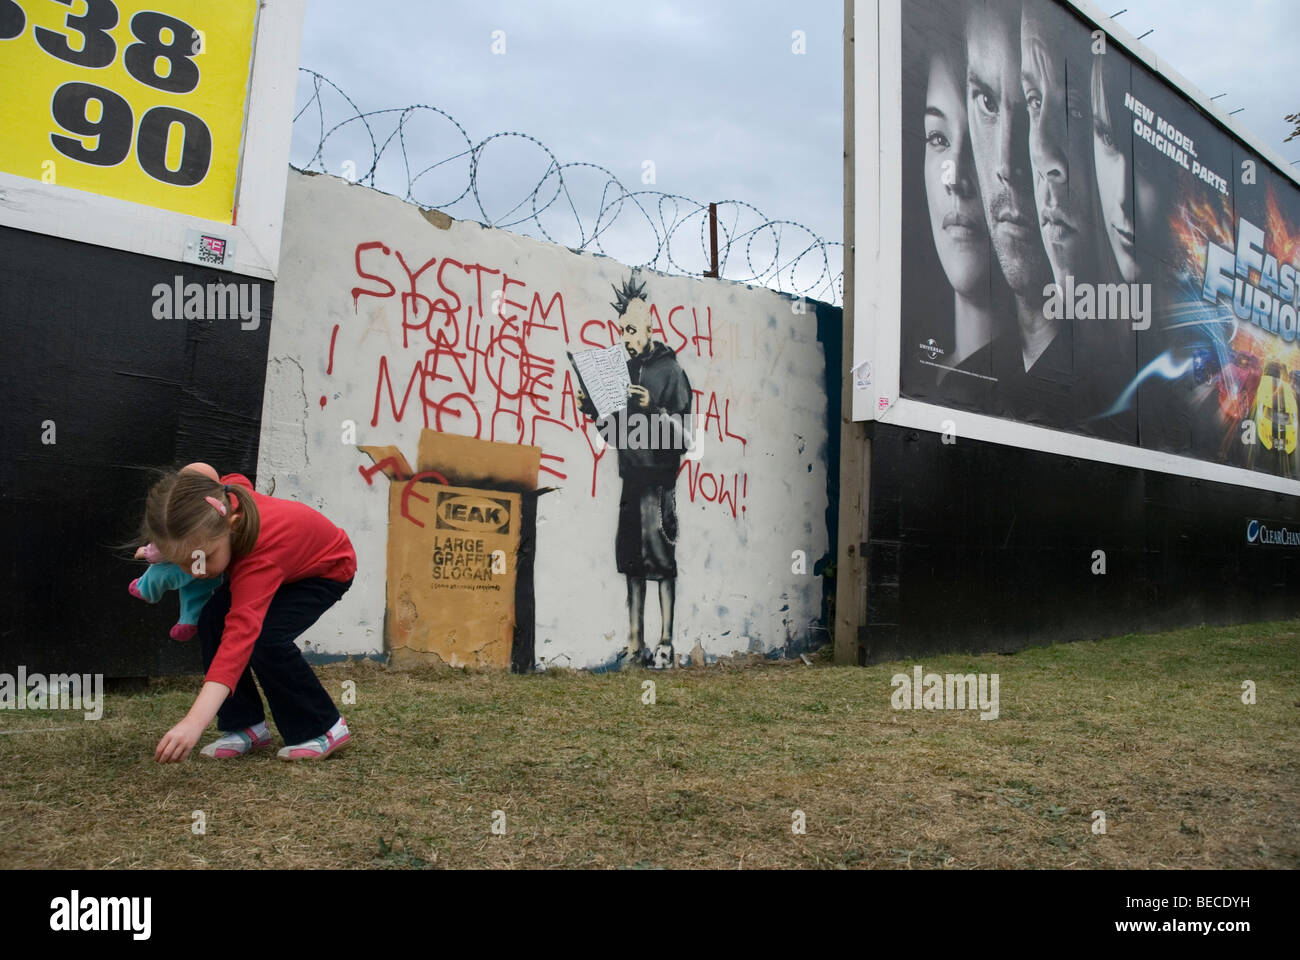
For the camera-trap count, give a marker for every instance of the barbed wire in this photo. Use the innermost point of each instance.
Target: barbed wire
(561, 205)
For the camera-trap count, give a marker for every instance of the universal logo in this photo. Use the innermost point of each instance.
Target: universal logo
(931, 349)
(1257, 533)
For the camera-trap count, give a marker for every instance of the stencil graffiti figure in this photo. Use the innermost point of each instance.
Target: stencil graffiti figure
(645, 546)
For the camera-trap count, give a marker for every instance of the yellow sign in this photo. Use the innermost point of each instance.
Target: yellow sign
(142, 100)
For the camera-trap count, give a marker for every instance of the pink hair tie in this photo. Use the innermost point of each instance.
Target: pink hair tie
(217, 505)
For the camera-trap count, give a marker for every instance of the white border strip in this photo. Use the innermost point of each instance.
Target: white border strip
(877, 300)
(109, 222)
(867, 198)
(972, 426)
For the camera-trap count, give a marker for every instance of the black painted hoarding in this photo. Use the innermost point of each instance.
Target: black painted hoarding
(979, 546)
(107, 377)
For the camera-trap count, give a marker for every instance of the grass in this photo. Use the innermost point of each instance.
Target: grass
(1149, 729)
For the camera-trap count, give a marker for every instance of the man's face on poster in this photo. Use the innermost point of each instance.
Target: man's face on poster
(1059, 104)
(999, 130)
(636, 327)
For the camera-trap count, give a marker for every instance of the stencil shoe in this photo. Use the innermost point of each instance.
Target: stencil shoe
(631, 656)
(662, 658)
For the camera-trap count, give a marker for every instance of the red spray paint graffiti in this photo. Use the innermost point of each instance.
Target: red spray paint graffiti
(478, 357)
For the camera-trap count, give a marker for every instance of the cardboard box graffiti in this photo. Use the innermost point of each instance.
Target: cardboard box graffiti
(454, 532)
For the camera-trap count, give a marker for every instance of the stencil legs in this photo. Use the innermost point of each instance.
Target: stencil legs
(636, 649)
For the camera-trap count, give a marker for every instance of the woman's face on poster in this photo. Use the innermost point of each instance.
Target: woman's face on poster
(1117, 180)
(956, 215)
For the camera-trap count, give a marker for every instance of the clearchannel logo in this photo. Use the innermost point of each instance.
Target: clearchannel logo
(1261, 535)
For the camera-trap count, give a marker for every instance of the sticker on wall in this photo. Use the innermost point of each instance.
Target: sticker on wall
(208, 249)
(862, 375)
(140, 100)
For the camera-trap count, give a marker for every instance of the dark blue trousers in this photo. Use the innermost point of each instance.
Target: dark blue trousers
(301, 707)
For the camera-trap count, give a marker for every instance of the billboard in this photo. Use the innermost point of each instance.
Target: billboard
(1089, 260)
(150, 126)
(129, 102)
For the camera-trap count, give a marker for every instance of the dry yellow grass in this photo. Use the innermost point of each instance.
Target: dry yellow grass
(1149, 729)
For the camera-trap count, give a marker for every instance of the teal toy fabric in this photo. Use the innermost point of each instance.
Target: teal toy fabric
(162, 578)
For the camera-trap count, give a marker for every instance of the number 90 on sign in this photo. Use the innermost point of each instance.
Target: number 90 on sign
(118, 75)
(75, 102)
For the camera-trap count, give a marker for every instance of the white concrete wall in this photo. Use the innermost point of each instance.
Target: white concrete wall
(763, 368)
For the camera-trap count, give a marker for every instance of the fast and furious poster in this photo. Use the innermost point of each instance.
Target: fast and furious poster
(1086, 250)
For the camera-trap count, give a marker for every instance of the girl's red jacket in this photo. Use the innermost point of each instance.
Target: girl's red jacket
(295, 542)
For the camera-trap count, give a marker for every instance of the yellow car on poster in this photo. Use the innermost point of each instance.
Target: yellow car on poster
(1276, 412)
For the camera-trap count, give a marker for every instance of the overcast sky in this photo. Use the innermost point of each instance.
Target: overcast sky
(709, 91)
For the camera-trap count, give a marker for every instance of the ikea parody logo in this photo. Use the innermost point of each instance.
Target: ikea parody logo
(457, 511)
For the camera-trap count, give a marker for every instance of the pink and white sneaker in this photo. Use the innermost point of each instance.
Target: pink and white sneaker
(239, 743)
(321, 747)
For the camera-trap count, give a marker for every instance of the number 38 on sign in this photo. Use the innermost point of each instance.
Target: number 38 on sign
(141, 100)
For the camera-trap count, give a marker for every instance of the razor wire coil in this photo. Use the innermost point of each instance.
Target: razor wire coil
(783, 255)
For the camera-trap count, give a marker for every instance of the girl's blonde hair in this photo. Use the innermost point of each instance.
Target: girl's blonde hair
(177, 515)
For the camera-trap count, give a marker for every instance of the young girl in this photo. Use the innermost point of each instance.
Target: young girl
(285, 564)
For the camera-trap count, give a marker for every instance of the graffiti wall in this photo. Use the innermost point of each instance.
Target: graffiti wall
(390, 322)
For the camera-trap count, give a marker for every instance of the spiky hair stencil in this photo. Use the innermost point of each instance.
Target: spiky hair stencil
(631, 291)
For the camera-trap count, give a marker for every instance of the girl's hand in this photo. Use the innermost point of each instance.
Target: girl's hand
(177, 744)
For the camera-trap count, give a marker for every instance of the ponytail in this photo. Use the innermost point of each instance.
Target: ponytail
(188, 507)
(243, 535)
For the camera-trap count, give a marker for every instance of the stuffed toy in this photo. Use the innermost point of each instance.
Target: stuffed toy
(162, 577)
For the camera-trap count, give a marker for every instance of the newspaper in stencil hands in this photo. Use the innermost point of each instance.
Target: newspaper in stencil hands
(604, 377)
